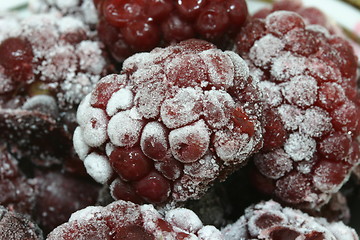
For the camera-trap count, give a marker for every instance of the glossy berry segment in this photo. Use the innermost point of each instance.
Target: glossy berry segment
(126, 220)
(269, 220)
(175, 120)
(311, 112)
(138, 25)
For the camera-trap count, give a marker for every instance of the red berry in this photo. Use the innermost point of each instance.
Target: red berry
(122, 12)
(311, 113)
(178, 119)
(17, 59)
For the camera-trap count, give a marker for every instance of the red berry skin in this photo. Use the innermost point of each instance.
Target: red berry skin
(132, 232)
(120, 12)
(153, 188)
(17, 59)
(131, 164)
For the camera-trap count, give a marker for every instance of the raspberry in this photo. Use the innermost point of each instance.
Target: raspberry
(17, 191)
(16, 226)
(311, 107)
(175, 120)
(49, 63)
(269, 220)
(58, 195)
(126, 220)
(130, 26)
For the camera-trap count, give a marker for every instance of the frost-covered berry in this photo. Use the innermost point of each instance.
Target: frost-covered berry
(175, 120)
(15, 226)
(83, 9)
(17, 191)
(127, 27)
(308, 80)
(126, 220)
(269, 220)
(48, 64)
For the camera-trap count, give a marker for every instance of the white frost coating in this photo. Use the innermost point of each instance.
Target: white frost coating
(209, 233)
(66, 3)
(271, 93)
(123, 129)
(109, 148)
(241, 69)
(220, 74)
(85, 214)
(232, 146)
(80, 146)
(291, 116)
(273, 20)
(236, 230)
(343, 232)
(316, 122)
(195, 134)
(70, 24)
(183, 108)
(94, 129)
(42, 103)
(218, 106)
(120, 100)
(184, 219)
(287, 65)
(156, 132)
(301, 90)
(98, 167)
(265, 49)
(90, 57)
(300, 147)
(253, 218)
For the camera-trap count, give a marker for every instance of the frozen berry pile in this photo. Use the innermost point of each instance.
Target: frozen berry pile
(127, 27)
(269, 220)
(167, 119)
(48, 64)
(125, 220)
(171, 123)
(308, 81)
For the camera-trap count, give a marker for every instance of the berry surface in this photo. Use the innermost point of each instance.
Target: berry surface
(15, 226)
(269, 220)
(308, 80)
(130, 26)
(174, 121)
(126, 220)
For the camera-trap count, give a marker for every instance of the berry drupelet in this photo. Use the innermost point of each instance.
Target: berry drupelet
(126, 220)
(48, 64)
(130, 26)
(269, 220)
(174, 121)
(308, 80)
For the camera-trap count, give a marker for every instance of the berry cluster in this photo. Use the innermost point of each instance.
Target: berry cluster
(312, 112)
(171, 123)
(128, 27)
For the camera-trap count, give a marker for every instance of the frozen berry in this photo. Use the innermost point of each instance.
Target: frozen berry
(126, 220)
(307, 77)
(48, 64)
(59, 195)
(175, 120)
(15, 226)
(17, 191)
(269, 220)
(131, 26)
